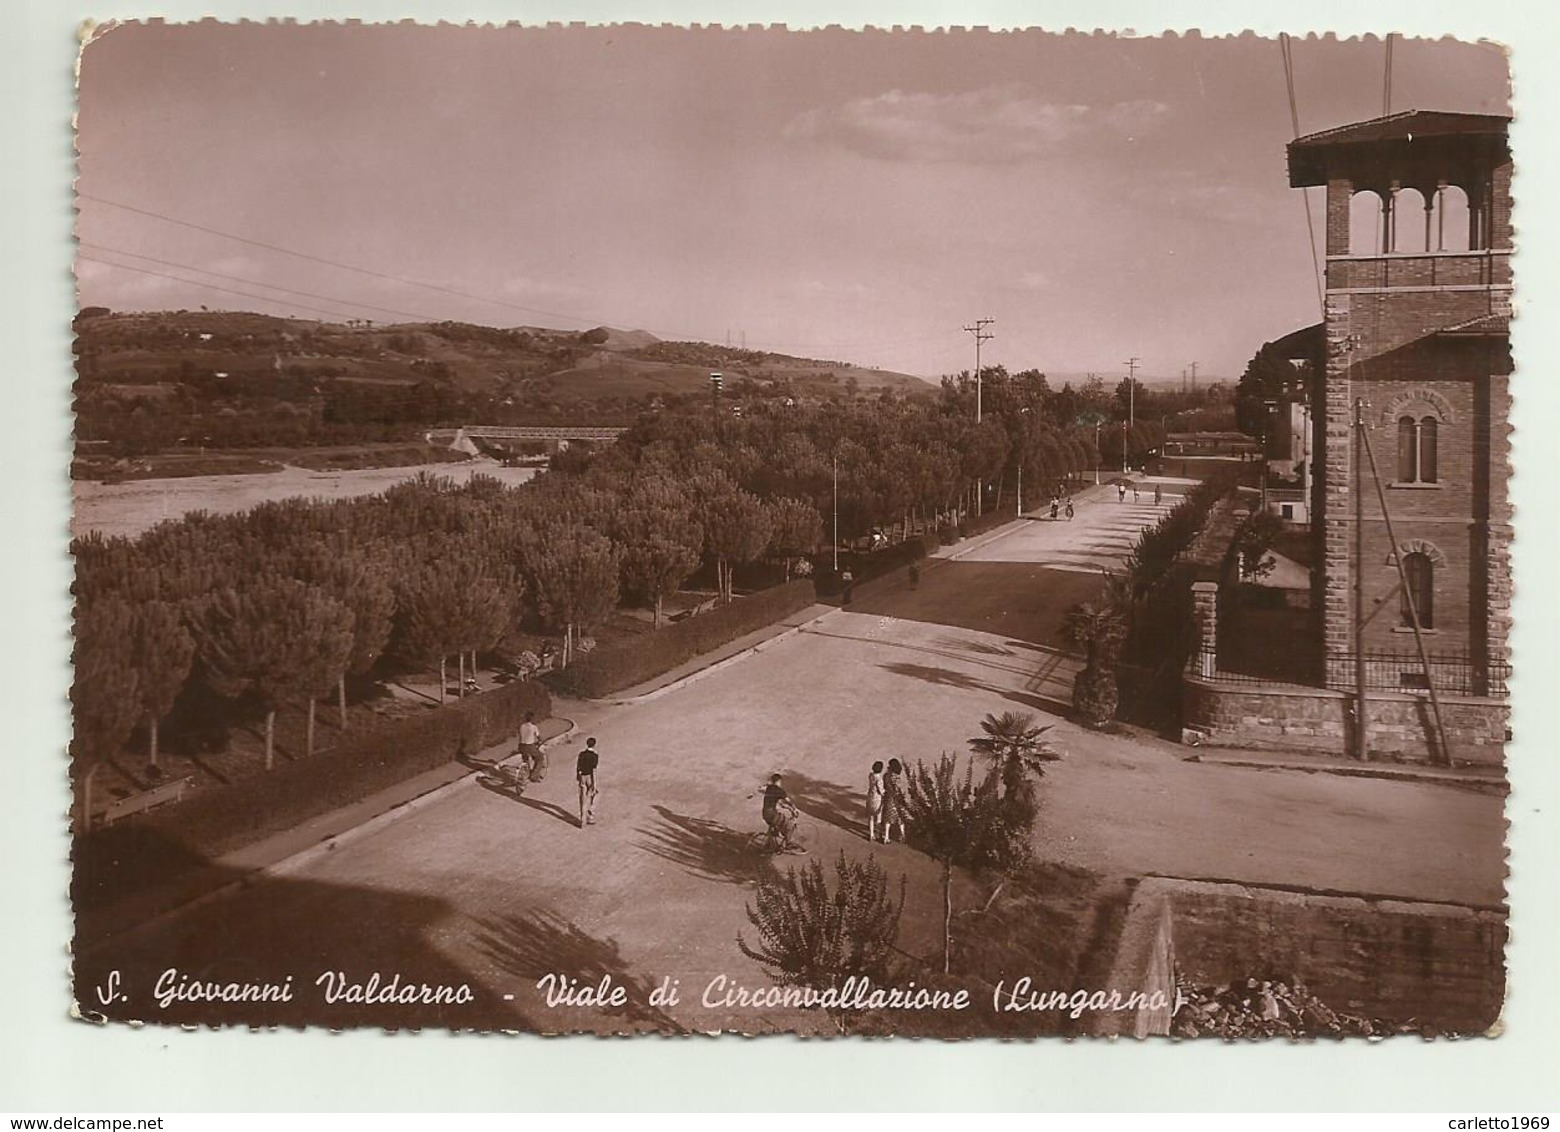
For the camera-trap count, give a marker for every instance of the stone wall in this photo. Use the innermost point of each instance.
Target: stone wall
(1285, 716)
(1441, 964)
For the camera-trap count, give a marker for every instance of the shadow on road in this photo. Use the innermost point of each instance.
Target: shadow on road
(1019, 600)
(831, 803)
(531, 947)
(703, 847)
(946, 677)
(344, 955)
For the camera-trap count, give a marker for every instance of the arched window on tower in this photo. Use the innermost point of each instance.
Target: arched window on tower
(1417, 442)
(1410, 222)
(1451, 231)
(1429, 427)
(1365, 224)
(1408, 459)
(1419, 574)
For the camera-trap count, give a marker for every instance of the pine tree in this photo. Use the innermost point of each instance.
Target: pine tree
(104, 695)
(574, 573)
(278, 638)
(736, 529)
(659, 541)
(164, 653)
(795, 528)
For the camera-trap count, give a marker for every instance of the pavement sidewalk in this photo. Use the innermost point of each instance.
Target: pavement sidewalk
(322, 833)
(1488, 778)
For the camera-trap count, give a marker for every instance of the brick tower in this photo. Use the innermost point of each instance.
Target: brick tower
(1417, 309)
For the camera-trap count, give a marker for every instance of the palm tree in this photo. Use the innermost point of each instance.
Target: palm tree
(1017, 749)
(1098, 627)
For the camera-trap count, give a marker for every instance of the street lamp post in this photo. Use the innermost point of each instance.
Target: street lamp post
(836, 514)
(1123, 447)
(1096, 453)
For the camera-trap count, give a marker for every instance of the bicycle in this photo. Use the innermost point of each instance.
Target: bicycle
(506, 778)
(768, 842)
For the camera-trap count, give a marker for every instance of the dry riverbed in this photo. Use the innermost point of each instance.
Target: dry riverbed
(135, 507)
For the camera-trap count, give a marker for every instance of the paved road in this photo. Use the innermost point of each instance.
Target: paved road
(479, 889)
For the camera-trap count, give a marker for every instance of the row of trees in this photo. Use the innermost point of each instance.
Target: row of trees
(284, 603)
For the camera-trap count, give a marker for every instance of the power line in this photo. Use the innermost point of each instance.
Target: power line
(330, 262)
(1386, 80)
(274, 300)
(773, 345)
(1286, 47)
(422, 317)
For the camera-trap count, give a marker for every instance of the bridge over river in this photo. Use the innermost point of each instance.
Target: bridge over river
(465, 437)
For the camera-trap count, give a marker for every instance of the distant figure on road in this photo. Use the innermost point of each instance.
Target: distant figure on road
(1121, 493)
(1159, 495)
(585, 775)
(1070, 511)
(1134, 491)
(848, 581)
(875, 788)
(1056, 506)
(530, 748)
(915, 575)
(893, 801)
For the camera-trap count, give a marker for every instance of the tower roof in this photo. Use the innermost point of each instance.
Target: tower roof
(1308, 155)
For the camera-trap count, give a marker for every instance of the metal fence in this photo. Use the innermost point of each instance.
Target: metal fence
(1456, 675)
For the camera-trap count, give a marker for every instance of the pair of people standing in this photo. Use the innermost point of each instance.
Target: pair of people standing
(885, 801)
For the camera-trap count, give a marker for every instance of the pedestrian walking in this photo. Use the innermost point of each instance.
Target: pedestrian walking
(847, 581)
(1070, 511)
(1121, 493)
(585, 775)
(875, 788)
(532, 757)
(1055, 507)
(893, 801)
(1159, 495)
(1134, 491)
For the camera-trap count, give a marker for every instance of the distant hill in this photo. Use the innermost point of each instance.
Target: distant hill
(516, 365)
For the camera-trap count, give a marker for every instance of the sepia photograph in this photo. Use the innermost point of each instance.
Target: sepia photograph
(631, 529)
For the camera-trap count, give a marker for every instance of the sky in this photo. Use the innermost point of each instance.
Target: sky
(860, 196)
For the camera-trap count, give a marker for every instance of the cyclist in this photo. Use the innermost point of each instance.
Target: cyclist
(780, 815)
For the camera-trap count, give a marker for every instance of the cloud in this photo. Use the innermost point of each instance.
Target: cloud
(1033, 281)
(993, 125)
(830, 289)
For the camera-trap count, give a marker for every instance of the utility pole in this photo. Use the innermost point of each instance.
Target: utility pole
(1132, 365)
(1359, 579)
(979, 330)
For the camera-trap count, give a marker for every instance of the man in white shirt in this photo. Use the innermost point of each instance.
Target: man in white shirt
(531, 753)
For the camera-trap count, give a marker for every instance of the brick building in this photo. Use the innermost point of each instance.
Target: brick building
(1418, 299)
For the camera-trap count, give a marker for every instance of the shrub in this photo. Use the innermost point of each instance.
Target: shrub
(611, 668)
(109, 862)
(877, 564)
(812, 935)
